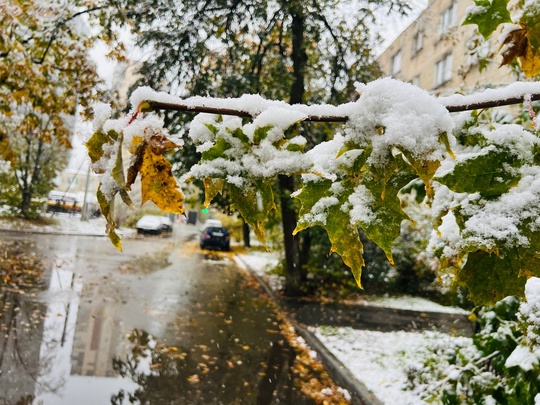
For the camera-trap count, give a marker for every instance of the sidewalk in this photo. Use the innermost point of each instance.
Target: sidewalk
(367, 348)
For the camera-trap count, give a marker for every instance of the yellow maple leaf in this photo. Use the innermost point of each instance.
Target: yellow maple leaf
(517, 44)
(212, 187)
(158, 183)
(530, 61)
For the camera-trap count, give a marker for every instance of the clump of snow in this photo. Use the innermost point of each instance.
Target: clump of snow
(279, 119)
(522, 357)
(260, 152)
(361, 200)
(390, 114)
(532, 291)
(318, 213)
(327, 391)
(324, 158)
(530, 312)
(102, 112)
(500, 220)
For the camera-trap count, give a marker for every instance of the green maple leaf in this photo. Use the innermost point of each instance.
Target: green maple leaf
(488, 14)
(343, 236)
(488, 174)
(106, 205)
(490, 277)
(217, 150)
(385, 184)
(254, 202)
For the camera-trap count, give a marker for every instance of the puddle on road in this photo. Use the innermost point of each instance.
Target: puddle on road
(76, 330)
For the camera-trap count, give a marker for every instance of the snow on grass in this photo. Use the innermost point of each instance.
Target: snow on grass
(380, 360)
(261, 263)
(412, 303)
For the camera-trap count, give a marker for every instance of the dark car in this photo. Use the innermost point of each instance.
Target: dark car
(215, 237)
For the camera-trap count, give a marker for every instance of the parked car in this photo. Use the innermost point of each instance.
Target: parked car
(154, 224)
(215, 237)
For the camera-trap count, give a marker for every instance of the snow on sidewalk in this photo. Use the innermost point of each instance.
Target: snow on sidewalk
(380, 360)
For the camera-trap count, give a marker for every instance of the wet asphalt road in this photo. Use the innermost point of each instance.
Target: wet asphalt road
(161, 323)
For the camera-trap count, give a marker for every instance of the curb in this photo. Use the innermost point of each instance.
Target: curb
(360, 394)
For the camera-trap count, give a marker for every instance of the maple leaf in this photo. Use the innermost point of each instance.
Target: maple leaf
(491, 277)
(336, 221)
(212, 187)
(488, 15)
(158, 183)
(530, 62)
(254, 202)
(517, 44)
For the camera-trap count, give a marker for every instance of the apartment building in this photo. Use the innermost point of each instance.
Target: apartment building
(435, 52)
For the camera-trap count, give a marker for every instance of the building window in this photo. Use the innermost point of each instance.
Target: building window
(418, 42)
(448, 18)
(396, 63)
(443, 70)
(416, 80)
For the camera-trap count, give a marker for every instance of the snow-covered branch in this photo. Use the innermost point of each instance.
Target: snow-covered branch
(252, 105)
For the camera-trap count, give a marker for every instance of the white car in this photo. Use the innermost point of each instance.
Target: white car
(212, 222)
(154, 224)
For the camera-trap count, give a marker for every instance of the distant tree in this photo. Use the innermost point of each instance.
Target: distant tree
(45, 75)
(36, 161)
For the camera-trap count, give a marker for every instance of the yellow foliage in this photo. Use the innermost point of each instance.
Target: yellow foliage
(159, 184)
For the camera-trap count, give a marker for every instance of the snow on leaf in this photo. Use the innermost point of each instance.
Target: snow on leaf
(513, 46)
(491, 173)
(487, 14)
(384, 185)
(96, 144)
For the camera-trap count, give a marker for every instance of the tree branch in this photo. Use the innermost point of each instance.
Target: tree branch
(56, 29)
(452, 104)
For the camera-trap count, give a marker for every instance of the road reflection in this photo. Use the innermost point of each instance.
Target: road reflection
(160, 323)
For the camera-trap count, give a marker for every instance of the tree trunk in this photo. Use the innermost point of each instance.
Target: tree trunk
(246, 234)
(293, 270)
(31, 176)
(295, 274)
